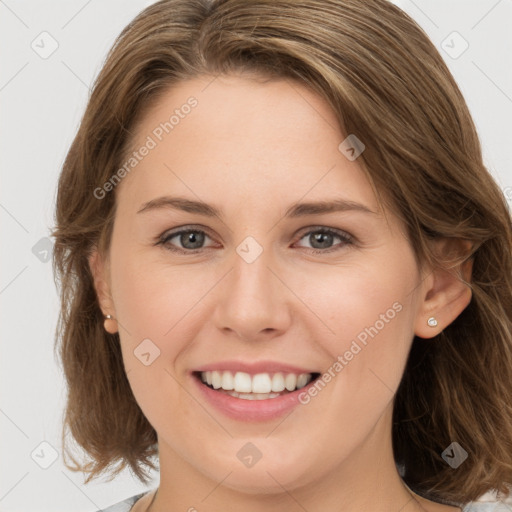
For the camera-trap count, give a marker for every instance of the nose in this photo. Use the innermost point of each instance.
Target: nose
(254, 303)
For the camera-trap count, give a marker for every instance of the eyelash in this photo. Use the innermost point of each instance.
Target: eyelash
(164, 240)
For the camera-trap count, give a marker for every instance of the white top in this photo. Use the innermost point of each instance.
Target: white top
(472, 506)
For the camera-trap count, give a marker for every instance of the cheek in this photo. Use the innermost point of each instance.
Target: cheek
(369, 313)
(349, 299)
(153, 299)
(156, 310)
(161, 311)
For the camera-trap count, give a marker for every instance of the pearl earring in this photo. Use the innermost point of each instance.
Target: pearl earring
(105, 324)
(432, 322)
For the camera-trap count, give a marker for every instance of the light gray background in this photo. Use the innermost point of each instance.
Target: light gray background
(42, 101)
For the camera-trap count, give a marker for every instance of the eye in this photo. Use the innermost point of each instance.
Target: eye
(191, 240)
(321, 239)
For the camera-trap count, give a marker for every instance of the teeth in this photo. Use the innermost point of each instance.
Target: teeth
(227, 381)
(255, 387)
(278, 382)
(216, 380)
(290, 382)
(302, 380)
(261, 383)
(243, 382)
(253, 396)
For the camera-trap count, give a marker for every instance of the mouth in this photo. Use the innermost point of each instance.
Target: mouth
(258, 386)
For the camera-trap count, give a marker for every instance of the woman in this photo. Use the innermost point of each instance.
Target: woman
(285, 269)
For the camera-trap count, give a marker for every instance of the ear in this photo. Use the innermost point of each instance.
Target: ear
(101, 277)
(444, 295)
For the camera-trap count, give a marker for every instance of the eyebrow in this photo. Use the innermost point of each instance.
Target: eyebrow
(295, 210)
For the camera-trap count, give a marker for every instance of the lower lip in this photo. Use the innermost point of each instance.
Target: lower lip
(251, 410)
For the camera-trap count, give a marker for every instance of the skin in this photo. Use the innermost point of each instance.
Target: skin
(252, 149)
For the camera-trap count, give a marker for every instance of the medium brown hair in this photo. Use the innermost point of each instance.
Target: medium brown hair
(388, 85)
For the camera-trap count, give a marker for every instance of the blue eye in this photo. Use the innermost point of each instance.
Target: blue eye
(191, 240)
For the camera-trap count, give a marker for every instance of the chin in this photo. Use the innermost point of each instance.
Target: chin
(269, 475)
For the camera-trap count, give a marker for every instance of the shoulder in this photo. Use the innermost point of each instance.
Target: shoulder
(473, 506)
(127, 504)
(479, 506)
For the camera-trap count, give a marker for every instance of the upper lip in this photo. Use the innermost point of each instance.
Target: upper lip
(253, 368)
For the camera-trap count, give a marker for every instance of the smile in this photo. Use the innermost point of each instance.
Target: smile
(252, 392)
(260, 386)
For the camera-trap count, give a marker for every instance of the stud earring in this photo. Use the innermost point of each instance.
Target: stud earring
(432, 322)
(109, 317)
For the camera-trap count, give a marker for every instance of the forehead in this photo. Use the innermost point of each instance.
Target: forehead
(242, 109)
(241, 138)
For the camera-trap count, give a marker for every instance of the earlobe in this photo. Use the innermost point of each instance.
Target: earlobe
(99, 271)
(445, 294)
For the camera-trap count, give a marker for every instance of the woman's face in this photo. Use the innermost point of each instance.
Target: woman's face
(264, 287)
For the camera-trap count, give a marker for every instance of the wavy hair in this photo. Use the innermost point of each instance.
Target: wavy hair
(387, 84)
